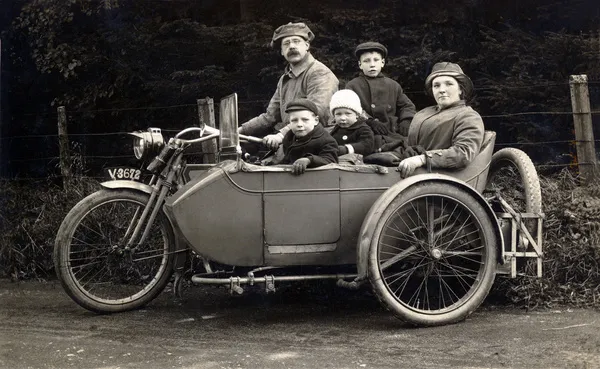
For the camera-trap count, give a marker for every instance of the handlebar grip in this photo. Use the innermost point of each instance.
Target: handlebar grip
(251, 138)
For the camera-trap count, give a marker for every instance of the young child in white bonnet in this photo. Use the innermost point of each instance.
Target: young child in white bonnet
(353, 135)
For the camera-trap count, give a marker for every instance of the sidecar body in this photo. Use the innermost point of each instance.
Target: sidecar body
(242, 214)
(247, 215)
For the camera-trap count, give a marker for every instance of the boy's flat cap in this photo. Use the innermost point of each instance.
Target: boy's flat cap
(370, 46)
(302, 104)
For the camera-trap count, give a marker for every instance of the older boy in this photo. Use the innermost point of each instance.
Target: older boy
(307, 144)
(381, 97)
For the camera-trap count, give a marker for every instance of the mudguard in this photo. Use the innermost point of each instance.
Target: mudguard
(132, 185)
(370, 222)
(180, 245)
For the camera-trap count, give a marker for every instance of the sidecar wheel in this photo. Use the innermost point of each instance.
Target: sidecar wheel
(432, 259)
(92, 262)
(513, 175)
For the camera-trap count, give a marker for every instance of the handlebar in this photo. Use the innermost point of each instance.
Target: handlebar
(250, 138)
(190, 129)
(212, 133)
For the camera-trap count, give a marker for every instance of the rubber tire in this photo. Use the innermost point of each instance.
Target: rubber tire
(63, 245)
(399, 309)
(529, 177)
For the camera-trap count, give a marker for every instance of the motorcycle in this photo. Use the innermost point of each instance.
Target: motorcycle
(429, 245)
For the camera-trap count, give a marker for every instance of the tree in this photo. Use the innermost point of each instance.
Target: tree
(115, 54)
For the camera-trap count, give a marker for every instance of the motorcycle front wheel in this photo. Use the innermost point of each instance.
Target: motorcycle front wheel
(93, 262)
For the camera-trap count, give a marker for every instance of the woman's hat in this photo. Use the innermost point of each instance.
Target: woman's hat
(345, 99)
(292, 29)
(452, 70)
(370, 46)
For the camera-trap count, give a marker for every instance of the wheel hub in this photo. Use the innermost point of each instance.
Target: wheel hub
(436, 253)
(120, 250)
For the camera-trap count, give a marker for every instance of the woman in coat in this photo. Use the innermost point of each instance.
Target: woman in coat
(450, 131)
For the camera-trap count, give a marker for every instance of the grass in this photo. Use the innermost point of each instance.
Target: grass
(30, 215)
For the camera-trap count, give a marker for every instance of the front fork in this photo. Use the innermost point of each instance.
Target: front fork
(159, 191)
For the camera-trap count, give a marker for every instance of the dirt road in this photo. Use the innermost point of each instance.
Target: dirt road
(42, 328)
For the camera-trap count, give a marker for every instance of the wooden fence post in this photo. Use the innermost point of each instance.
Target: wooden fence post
(63, 144)
(584, 134)
(1, 114)
(206, 114)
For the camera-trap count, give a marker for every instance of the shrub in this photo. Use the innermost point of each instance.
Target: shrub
(571, 249)
(30, 214)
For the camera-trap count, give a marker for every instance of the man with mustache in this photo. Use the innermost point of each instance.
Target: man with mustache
(304, 77)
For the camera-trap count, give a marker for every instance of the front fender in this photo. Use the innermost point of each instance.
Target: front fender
(132, 185)
(180, 245)
(369, 224)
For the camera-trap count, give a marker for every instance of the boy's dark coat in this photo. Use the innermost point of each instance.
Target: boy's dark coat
(382, 98)
(318, 146)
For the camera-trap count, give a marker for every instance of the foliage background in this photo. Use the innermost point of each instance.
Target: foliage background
(108, 61)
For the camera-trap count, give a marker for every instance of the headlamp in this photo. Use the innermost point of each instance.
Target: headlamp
(147, 143)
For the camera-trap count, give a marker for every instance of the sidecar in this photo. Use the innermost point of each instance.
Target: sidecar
(429, 245)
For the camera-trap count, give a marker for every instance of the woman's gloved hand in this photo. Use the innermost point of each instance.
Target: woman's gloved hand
(408, 165)
(300, 166)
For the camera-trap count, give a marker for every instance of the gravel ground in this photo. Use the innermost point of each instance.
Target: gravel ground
(293, 328)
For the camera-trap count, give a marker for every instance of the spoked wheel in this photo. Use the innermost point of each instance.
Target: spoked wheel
(95, 265)
(432, 259)
(513, 176)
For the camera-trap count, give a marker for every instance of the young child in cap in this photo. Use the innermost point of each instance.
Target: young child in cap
(381, 97)
(307, 144)
(353, 135)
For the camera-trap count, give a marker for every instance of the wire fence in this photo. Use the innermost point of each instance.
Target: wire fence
(265, 101)
(43, 148)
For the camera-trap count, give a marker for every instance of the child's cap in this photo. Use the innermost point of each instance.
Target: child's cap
(370, 46)
(302, 104)
(345, 99)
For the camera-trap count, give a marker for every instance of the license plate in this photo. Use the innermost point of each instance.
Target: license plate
(123, 173)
